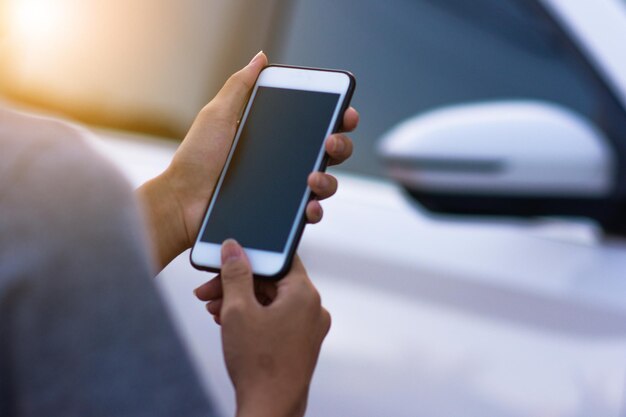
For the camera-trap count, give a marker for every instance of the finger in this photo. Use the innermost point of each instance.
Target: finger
(297, 266)
(323, 185)
(209, 290)
(228, 103)
(215, 307)
(217, 320)
(296, 287)
(350, 120)
(215, 126)
(237, 281)
(296, 274)
(339, 148)
(314, 212)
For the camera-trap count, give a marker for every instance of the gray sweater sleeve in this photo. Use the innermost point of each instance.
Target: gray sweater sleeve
(83, 331)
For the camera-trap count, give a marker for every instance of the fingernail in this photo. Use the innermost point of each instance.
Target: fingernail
(195, 292)
(231, 250)
(338, 145)
(256, 57)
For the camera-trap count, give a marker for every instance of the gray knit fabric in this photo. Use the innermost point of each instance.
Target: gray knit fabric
(83, 331)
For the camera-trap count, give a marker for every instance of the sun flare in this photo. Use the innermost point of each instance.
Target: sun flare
(34, 21)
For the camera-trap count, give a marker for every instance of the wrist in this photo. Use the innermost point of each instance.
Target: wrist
(259, 410)
(164, 218)
(271, 405)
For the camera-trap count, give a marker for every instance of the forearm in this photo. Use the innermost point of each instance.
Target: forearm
(164, 220)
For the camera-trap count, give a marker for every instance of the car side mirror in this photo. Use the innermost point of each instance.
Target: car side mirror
(514, 158)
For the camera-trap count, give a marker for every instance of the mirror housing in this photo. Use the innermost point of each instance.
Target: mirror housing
(513, 158)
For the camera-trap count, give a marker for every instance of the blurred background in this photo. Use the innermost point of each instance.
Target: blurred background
(149, 65)
(518, 313)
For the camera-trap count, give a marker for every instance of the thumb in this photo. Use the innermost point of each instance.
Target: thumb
(233, 95)
(236, 273)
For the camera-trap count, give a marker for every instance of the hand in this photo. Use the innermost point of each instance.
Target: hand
(176, 200)
(270, 348)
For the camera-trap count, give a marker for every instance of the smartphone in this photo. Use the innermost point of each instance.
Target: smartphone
(262, 192)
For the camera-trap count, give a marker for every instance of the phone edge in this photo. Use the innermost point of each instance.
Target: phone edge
(300, 230)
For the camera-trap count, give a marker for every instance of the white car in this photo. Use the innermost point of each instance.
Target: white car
(439, 315)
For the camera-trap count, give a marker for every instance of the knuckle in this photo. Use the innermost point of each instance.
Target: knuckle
(234, 308)
(207, 111)
(326, 321)
(240, 80)
(220, 117)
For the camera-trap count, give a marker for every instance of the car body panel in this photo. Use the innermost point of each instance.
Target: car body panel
(434, 317)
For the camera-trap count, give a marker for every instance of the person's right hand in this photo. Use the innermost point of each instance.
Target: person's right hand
(270, 348)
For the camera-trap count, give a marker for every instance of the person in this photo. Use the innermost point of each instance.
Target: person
(83, 330)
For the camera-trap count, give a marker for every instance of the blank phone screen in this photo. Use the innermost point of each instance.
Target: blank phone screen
(266, 179)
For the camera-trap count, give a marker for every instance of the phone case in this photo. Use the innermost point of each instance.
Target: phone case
(300, 229)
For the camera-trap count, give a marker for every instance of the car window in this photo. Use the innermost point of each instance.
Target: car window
(410, 56)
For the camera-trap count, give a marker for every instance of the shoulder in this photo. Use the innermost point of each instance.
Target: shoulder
(39, 152)
(20, 131)
(58, 195)
(51, 178)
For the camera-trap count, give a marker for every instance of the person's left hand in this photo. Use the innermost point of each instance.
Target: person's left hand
(176, 200)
